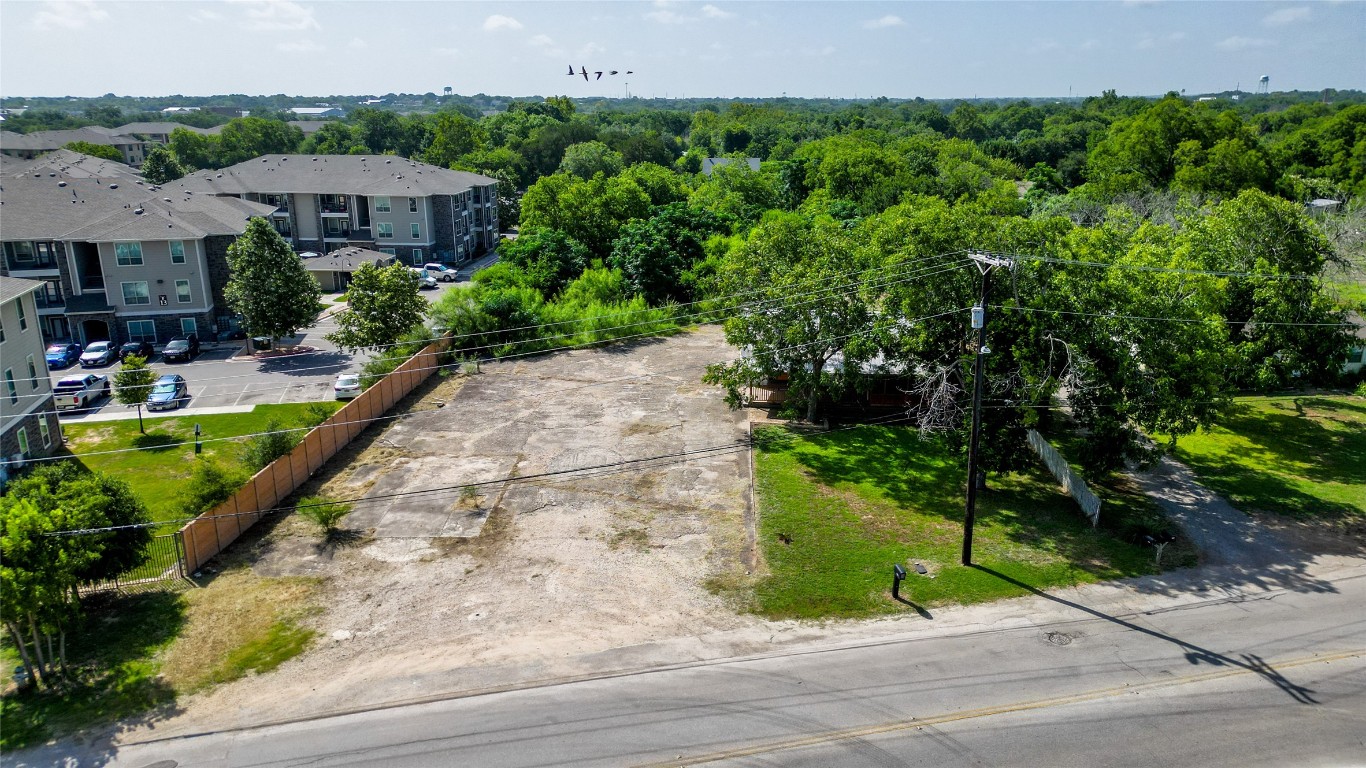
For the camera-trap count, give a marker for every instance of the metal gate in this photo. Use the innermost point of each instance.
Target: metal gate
(165, 565)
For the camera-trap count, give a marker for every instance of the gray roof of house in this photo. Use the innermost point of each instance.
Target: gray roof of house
(46, 199)
(345, 260)
(333, 175)
(70, 164)
(43, 140)
(145, 129)
(12, 287)
(310, 127)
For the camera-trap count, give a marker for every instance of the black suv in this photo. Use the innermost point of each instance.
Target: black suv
(142, 349)
(181, 348)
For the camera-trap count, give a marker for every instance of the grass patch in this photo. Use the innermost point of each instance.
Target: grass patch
(1302, 457)
(157, 474)
(836, 510)
(113, 659)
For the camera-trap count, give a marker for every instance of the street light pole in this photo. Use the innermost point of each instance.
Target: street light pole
(985, 263)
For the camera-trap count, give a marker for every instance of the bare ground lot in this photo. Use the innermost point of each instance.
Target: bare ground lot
(536, 572)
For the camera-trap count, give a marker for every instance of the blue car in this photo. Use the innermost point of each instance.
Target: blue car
(167, 393)
(62, 355)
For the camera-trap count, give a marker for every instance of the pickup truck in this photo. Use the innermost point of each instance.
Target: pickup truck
(77, 391)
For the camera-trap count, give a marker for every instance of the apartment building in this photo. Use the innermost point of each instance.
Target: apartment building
(399, 207)
(117, 258)
(27, 146)
(28, 419)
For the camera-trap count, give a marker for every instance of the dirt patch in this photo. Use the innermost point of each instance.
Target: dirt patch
(606, 494)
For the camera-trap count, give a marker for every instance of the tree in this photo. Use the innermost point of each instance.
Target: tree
(269, 286)
(94, 150)
(549, 258)
(590, 158)
(133, 383)
(382, 305)
(334, 138)
(194, 151)
(797, 275)
(453, 135)
(658, 255)
(160, 165)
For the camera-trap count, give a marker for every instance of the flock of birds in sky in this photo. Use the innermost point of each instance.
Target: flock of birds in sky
(584, 71)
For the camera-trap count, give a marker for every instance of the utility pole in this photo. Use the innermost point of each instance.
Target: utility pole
(985, 262)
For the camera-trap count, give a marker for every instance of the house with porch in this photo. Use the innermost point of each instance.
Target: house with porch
(415, 211)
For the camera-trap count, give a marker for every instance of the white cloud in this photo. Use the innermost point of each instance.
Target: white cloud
(886, 21)
(279, 16)
(73, 14)
(299, 46)
(499, 21)
(666, 16)
(712, 12)
(547, 46)
(1286, 16)
(589, 49)
(1243, 43)
(357, 44)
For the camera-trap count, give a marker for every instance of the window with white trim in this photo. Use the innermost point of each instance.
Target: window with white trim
(9, 386)
(128, 254)
(136, 293)
(44, 432)
(142, 330)
(412, 205)
(23, 317)
(188, 325)
(32, 372)
(418, 256)
(415, 230)
(384, 229)
(382, 204)
(23, 442)
(177, 251)
(182, 291)
(389, 251)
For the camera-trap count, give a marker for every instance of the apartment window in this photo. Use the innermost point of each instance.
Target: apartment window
(52, 292)
(142, 330)
(32, 372)
(385, 229)
(136, 293)
(417, 257)
(177, 251)
(412, 205)
(43, 432)
(21, 251)
(128, 254)
(188, 326)
(182, 291)
(415, 230)
(23, 441)
(23, 318)
(9, 386)
(2, 332)
(382, 204)
(389, 251)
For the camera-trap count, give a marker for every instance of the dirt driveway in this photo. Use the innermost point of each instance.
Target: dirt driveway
(530, 572)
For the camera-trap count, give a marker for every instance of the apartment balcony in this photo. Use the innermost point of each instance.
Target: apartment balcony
(92, 283)
(31, 265)
(335, 207)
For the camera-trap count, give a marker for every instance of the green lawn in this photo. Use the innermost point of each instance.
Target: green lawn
(837, 510)
(157, 473)
(1303, 457)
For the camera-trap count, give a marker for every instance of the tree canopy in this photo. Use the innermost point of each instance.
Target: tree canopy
(269, 286)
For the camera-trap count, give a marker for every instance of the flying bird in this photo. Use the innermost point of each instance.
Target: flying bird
(599, 77)
(583, 70)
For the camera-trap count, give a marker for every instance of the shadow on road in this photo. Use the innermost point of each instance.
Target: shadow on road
(1195, 655)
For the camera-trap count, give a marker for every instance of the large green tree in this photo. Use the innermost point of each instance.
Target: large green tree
(658, 255)
(95, 150)
(269, 285)
(160, 165)
(589, 158)
(382, 305)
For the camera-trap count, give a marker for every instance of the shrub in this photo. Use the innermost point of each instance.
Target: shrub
(210, 484)
(269, 445)
(316, 413)
(324, 513)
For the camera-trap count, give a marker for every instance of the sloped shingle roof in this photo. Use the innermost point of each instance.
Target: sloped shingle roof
(333, 174)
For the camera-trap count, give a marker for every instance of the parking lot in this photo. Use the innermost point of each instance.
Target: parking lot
(223, 378)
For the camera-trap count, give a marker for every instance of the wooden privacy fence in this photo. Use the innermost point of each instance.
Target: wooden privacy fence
(213, 531)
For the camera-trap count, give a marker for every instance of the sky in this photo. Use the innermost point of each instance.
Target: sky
(677, 49)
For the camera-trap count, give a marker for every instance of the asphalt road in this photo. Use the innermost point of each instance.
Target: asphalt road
(1274, 677)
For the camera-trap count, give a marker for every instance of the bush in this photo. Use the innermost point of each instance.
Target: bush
(1361, 389)
(316, 413)
(324, 513)
(210, 484)
(269, 445)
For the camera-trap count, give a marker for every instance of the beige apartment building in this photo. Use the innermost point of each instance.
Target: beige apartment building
(28, 419)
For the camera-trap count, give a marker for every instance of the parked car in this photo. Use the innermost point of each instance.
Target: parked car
(142, 349)
(62, 355)
(424, 280)
(347, 386)
(99, 353)
(79, 391)
(181, 348)
(168, 391)
(441, 272)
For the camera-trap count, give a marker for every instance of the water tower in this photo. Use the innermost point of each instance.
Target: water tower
(1264, 84)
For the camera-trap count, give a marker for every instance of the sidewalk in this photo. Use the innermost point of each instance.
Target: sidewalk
(123, 414)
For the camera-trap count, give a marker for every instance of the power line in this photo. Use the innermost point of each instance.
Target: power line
(1173, 270)
(1169, 319)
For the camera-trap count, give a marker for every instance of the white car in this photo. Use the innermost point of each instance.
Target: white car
(99, 353)
(424, 280)
(347, 386)
(441, 272)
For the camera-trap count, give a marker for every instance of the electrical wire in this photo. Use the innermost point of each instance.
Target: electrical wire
(1165, 319)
